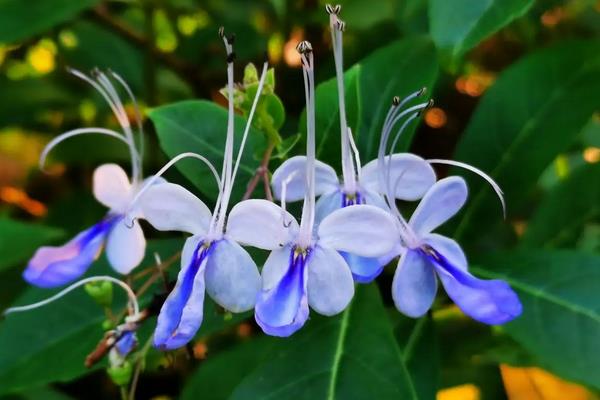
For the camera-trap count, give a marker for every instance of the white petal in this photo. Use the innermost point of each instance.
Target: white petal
(327, 204)
(125, 246)
(275, 267)
(414, 285)
(360, 229)
(259, 223)
(326, 179)
(112, 187)
(330, 283)
(410, 176)
(374, 199)
(171, 207)
(440, 203)
(232, 278)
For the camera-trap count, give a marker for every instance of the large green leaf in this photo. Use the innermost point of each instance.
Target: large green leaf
(352, 356)
(534, 111)
(419, 350)
(50, 344)
(219, 375)
(93, 45)
(565, 209)
(560, 324)
(200, 126)
(18, 240)
(397, 69)
(460, 25)
(22, 19)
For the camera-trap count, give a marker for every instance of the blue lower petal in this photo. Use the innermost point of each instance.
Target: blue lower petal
(126, 343)
(283, 309)
(492, 302)
(181, 314)
(364, 269)
(55, 266)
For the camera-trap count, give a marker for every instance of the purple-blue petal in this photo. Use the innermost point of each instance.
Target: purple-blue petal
(126, 343)
(181, 314)
(283, 309)
(364, 269)
(492, 302)
(53, 266)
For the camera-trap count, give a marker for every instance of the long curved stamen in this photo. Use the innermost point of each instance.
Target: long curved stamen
(76, 132)
(261, 84)
(218, 216)
(308, 209)
(357, 162)
(138, 113)
(398, 104)
(337, 27)
(389, 194)
(105, 88)
(103, 80)
(133, 303)
(479, 172)
(151, 181)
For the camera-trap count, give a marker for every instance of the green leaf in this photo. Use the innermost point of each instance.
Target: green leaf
(565, 209)
(218, 376)
(50, 344)
(19, 240)
(351, 356)
(419, 349)
(397, 69)
(534, 111)
(22, 19)
(560, 324)
(94, 43)
(459, 25)
(200, 126)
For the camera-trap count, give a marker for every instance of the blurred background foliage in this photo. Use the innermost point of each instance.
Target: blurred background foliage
(517, 91)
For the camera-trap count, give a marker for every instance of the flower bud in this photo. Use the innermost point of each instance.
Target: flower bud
(101, 292)
(120, 374)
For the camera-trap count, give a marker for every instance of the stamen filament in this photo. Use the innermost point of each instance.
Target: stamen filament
(133, 303)
(479, 172)
(76, 132)
(152, 180)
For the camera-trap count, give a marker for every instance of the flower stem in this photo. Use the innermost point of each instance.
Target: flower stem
(262, 172)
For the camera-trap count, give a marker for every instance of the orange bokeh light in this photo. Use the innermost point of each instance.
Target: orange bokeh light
(435, 117)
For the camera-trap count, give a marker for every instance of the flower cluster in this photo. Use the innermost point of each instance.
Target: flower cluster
(349, 228)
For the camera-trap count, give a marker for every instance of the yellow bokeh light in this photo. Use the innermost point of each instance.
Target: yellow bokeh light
(591, 155)
(275, 48)
(68, 39)
(535, 383)
(41, 56)
(462, 392)
(290, 55)
(436, 117)
(87, 111)
(165, 37)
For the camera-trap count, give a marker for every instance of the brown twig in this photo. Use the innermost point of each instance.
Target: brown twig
(262, 172)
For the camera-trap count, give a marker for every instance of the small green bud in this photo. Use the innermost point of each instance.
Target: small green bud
(107, 325)
(101, 292)
(120, 375)
(250, 75)
(227, 316)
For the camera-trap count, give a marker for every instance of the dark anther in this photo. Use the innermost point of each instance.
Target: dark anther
(231, 39)
(231, 57)
(304, 47)
(221, 32)
(396, 101)
(95, 72)
(333, 9)
(336, 9)
(329, 9)
(340, 25)
(422, 91)
(430, 103)
(287, 224)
